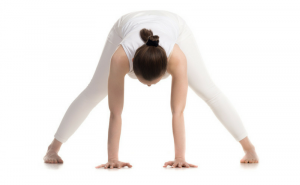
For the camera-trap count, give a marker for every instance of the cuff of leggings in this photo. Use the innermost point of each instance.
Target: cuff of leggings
(241, 136)
(60, 139)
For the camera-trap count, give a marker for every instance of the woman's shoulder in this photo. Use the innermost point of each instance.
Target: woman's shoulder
(175, 59)
(121, 58)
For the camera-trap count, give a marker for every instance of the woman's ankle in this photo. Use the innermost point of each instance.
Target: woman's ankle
(55, 145)
(246, 144)
(250, 148)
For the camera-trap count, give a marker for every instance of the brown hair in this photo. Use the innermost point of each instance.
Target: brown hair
(150, 62)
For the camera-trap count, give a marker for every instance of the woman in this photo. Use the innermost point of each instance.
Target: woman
(131, 48)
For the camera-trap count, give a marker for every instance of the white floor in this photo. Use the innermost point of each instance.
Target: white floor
(216, 166)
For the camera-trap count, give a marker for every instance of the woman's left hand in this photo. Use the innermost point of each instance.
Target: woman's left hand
(180, 163)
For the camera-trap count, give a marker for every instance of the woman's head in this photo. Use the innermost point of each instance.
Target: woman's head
(149, 62)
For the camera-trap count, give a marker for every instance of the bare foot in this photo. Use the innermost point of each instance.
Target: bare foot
(250, 156)
(52, 157)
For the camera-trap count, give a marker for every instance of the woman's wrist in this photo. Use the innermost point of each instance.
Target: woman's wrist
(180, 157)
(113, 158)
(112, 153)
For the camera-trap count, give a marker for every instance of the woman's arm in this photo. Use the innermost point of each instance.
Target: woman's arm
(178, 69)
(118, 69)
(115, 101)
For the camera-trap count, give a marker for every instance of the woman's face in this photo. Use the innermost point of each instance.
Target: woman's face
(149, 83)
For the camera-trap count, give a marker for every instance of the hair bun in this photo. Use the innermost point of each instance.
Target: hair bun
(151, 42)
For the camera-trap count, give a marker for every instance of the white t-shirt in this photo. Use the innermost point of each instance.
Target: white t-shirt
(165, 27)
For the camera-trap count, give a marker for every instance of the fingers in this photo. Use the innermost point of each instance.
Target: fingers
(174, 165)
(127, 164)
(192, 165)
(179, 164)
(168, 163)
(103, 165)
(114, 165)
(110, 165)
(186, 165)
(100, 166)
(106, 165)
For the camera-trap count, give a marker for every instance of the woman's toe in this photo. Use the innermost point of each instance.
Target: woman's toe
(60, 160)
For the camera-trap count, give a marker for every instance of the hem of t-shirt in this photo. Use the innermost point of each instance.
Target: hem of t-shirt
(172, 49)
(125, 49)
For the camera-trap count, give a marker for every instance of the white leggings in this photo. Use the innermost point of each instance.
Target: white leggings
(198, 80)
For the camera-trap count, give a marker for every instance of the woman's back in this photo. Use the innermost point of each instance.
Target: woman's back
(129, 26)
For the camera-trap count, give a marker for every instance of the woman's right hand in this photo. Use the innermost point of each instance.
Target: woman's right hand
(114, 164)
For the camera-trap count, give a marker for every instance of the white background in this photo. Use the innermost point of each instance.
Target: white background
(50, 49)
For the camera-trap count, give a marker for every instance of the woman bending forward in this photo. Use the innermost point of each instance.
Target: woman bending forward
(149, 46)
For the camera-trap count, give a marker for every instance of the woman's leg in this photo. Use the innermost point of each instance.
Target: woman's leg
(201, 83)
(94, 93)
